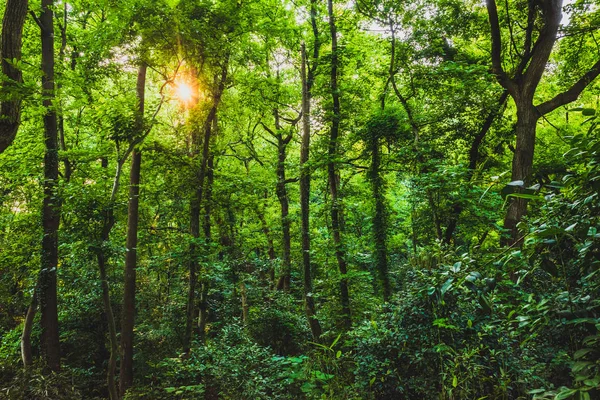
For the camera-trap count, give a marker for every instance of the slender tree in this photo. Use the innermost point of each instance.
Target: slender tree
(309, 302)
(332, 174)
(196, 202)
(51, 203)
(128, 313)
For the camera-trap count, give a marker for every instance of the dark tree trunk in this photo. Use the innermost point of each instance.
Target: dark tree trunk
(196, 204)
(332, 175)
(128, 313)
(15, 14)
(309, 302)
(527, 117)
(51, 204)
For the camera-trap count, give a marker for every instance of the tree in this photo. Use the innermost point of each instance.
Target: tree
(128, 313)
(543, 20)
(307, 81)
(332, 175)
(15, 14)
(51, 206)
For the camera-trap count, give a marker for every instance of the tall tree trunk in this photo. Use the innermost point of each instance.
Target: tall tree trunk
(196, 203)
(51, 203)
(380, 219)
(522, 164)
(128, 313)
(309, 302)
(333, 176)
(12, 41)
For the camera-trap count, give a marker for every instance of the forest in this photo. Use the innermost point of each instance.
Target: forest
(299, 199)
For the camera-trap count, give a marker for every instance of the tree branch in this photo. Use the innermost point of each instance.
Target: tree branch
(571, 94)
(496, 36)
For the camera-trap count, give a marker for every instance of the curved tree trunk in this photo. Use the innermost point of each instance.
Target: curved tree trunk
(12, 40)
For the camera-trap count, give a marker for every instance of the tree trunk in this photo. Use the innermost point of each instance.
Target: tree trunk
(26, 353)
(195, 206)
(112, 330)
(107, 225)
(380, 220)
(193, 267)
(309, 302)
(203, 311)
(333, 176)
(281, 190)
(128, 313)
(51, 203)
(245, 306)
(12, 35)
(522, 165)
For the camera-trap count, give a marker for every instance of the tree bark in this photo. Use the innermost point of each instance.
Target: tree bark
(26, 353)
(309, 302)
(51, 203)
(527, 117)
(15, 14)
(128, 313)
(336, 212)
(522, 88)
(380, 219)
(196, 204)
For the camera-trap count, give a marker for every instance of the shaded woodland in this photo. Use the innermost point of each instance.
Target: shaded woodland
(273, 199)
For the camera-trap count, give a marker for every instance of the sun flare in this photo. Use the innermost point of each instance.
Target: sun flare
(184, 92)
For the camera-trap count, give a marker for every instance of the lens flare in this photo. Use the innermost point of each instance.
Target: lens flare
(184, 92)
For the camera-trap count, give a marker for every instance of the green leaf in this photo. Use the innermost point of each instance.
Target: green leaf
(565, 394)
(446, 286)
(588, 112)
